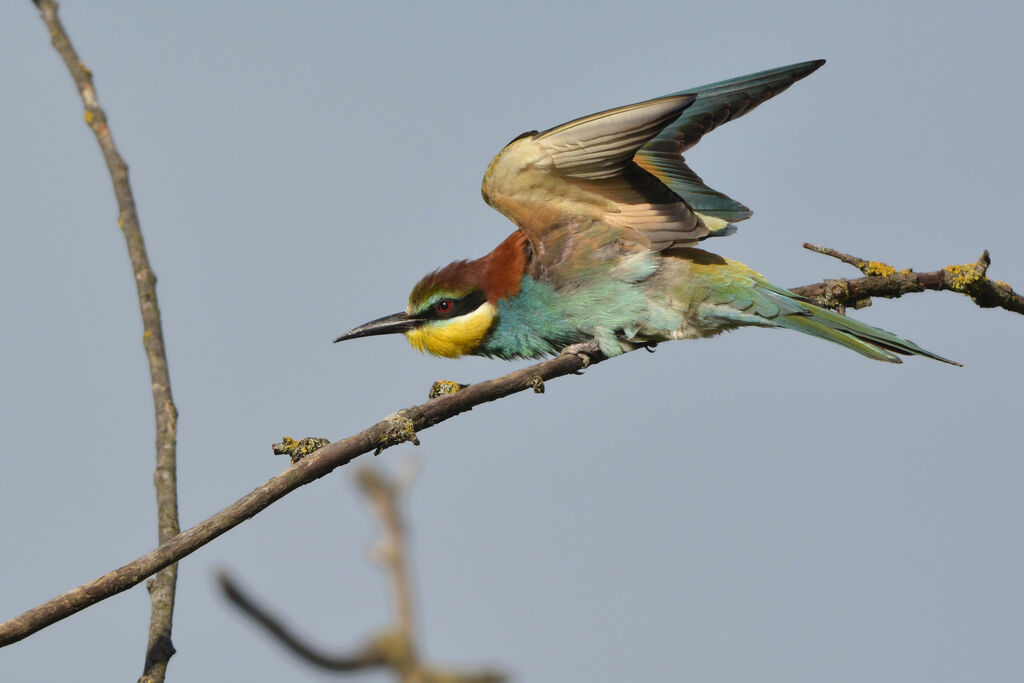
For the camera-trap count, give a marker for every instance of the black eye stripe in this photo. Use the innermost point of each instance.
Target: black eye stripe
(466, 304)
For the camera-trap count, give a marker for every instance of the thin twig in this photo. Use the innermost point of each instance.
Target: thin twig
(161, 589)
(398, 428)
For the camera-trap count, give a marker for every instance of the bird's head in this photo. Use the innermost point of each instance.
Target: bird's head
(448, 313)
(452, 310)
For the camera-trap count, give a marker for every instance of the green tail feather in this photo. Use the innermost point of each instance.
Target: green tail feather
(862, 338)
(728, 294)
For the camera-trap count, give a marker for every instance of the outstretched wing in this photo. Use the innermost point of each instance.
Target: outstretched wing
(623, 168)
(585, 169)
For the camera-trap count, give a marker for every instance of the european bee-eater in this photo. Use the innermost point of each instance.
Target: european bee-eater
(609, 217)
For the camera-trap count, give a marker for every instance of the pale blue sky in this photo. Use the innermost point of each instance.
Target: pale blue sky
(762, 506)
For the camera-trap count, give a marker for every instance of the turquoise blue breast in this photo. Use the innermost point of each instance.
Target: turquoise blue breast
(541, 320)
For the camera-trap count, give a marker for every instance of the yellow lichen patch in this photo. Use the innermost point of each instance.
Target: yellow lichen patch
(443, 387)
(398, 429)
(877, 268)
(455, 337)
(297, 450)
(961, 277)
(88, 117)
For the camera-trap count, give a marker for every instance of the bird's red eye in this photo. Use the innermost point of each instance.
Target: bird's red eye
(444, 305)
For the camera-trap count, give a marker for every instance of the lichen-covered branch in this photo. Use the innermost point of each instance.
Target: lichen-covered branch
(395, 648)
(884, 280)
(403, 426)
(310, 468)
(162, 587)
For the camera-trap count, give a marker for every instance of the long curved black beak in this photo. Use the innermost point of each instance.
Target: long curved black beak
(389, 324)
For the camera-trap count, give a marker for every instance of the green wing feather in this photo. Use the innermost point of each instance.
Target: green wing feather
(716, 103)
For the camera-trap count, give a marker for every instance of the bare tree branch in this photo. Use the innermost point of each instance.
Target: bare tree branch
(392, 430)
(161, 589)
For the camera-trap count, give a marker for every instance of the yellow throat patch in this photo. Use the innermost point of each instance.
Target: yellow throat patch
(455, 337)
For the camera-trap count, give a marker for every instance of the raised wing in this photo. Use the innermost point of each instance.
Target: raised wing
(623, 168)
(584, 169)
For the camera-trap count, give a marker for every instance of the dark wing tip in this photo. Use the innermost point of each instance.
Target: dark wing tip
(520, 137)
(809, 67)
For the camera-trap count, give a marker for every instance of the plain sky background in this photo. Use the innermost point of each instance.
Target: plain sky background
(761, 506)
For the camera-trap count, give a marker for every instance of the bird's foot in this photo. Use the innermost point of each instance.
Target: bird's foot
(583, 350)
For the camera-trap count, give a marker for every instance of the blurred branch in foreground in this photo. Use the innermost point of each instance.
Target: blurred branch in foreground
(394, 648)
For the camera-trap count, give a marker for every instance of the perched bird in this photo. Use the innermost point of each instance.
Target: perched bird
(605, 256)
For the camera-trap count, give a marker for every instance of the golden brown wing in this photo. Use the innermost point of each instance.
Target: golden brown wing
(584, 169)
